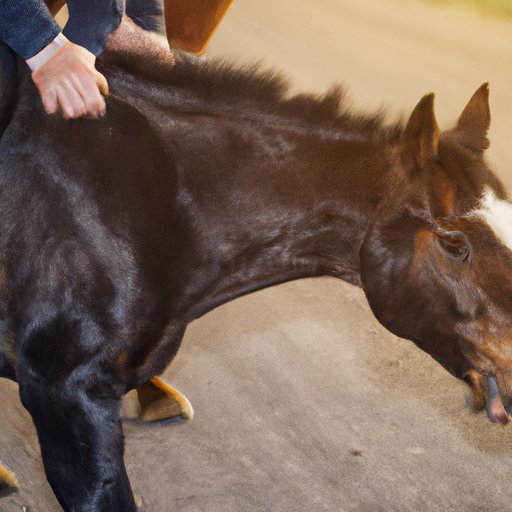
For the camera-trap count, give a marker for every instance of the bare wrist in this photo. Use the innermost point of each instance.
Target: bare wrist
(47, 52)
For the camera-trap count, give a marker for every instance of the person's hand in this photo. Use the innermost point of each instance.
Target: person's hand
(66, 78)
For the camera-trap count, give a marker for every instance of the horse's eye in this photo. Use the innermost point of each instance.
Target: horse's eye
(454, 244)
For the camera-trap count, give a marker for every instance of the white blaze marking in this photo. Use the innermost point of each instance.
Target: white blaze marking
(498, 215)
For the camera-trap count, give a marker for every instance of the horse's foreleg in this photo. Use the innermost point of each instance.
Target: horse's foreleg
(82, 447)
(76, 414)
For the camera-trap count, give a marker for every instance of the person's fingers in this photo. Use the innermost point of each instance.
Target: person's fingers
(102, 106)
(90, 94)
(49, 98)
(102, 83)
(75, 83)
(70, 102)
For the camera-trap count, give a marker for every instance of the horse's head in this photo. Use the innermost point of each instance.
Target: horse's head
(437, 261)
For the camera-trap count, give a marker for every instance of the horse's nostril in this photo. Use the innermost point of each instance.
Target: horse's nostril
(468, 379)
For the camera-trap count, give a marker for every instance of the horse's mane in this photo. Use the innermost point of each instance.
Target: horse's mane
(251, 87)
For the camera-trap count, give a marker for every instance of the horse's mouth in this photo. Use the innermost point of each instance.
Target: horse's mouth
(486, 395)
(494, 404)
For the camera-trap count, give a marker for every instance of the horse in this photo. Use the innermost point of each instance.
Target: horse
(204, 182)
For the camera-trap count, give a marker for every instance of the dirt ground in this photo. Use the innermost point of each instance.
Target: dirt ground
(303, 402)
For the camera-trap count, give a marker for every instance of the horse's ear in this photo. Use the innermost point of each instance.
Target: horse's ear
(420, 140)
(475, 120)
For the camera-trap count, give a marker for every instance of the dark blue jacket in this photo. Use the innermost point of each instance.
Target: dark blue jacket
(27, 26)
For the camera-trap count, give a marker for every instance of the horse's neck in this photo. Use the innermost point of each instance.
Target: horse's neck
(283, 219)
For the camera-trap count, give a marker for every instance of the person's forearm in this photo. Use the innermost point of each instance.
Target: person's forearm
(27, 26)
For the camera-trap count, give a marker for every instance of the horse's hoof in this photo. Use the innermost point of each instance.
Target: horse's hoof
(8, 481)
(159, 402)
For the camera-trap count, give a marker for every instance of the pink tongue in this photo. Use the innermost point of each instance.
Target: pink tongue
(494, 405)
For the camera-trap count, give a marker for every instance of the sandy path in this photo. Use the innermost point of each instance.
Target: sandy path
(303, 402)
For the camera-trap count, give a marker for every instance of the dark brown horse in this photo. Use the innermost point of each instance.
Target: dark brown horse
(203, 183)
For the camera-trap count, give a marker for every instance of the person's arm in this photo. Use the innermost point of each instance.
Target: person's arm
(64, 72)
(91, 21)
(26, 26)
